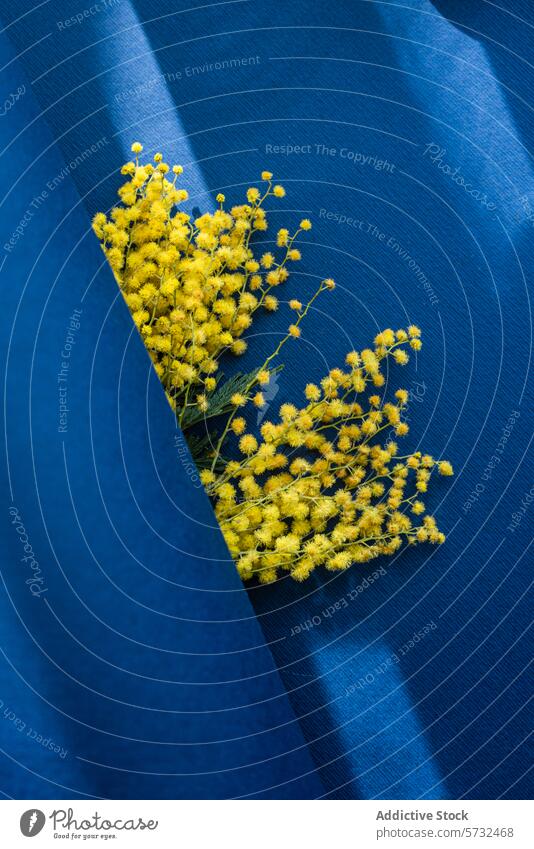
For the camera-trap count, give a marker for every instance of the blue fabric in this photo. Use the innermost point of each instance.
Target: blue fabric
(132, 665)
(386, 107)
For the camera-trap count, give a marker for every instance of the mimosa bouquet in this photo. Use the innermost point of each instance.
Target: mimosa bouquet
(323, 484)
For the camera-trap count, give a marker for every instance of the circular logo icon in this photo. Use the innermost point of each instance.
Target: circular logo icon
(31, 822)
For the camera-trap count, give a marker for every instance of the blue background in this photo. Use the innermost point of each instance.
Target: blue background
(145, 659)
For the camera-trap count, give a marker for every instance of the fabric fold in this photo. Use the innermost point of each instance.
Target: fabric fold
(132, 663)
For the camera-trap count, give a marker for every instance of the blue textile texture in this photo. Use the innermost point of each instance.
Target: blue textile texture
(133, 664)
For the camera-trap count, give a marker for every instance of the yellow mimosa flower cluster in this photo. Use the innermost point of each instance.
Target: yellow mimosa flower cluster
(193, 286)
(320, 488)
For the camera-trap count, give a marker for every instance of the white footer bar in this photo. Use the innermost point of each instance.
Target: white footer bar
(268, 824)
